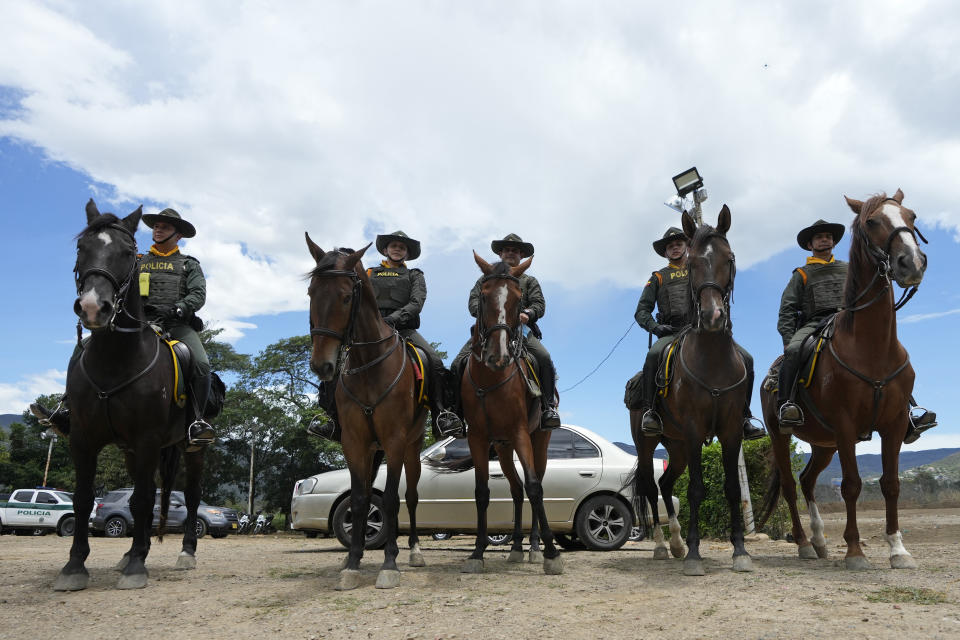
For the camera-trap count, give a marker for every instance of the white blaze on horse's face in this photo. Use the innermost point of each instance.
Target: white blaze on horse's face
(104, 237)
(90, 306)
(910, 263)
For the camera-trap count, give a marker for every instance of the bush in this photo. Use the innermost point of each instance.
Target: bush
(714, 514)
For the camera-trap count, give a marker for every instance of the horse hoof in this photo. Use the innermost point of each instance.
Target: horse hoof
(186, 561)
(132, 581)
(535, 557)
(742, 563)
(807, 552)
(821, 550)
(856, 563)
(660, 553)
(693, 568)
(71, 582)
(349, 579)
(345, 562)
(472, 565)
(679, 551)
(553, 566)
(903, 561)
(388, 579)
(124, 561)
(515, 556)
(416, 559)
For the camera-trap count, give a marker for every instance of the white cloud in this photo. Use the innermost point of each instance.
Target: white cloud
(462, 122)
(920, 317)
(16, 397)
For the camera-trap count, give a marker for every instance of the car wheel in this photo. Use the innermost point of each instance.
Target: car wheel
(201, 528)
(376, 529)
(66, 527)
(442, 535)
(115, 527)
(637, 534)
(569, 541)
(499, 538)
(604, 523)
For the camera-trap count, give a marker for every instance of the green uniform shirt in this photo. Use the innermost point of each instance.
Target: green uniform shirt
(532, 301)
(668, 290)
(401, 293)
(813, 292)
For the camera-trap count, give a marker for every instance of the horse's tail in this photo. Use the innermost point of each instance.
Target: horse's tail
(169, 462)
(770, 497)
(640, 499)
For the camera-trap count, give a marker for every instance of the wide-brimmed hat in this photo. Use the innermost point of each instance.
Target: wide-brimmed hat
(173, 218)
(413, 246)
(660, 246)
(512, 239)
(820, 226)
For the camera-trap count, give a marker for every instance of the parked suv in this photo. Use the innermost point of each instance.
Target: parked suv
(112, 517)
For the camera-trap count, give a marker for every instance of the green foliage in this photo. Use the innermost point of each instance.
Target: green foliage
(714, 513)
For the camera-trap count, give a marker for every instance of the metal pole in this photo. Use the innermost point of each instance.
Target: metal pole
(745, 495)
(49, 451)
(250, 489)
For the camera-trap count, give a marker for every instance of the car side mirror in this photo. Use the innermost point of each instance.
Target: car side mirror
(437, 454)
(175, 504)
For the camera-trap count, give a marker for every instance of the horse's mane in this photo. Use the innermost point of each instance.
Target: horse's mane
(500, 269)
(859, 253)
(100, 222)
(703, 235)
(329, 261)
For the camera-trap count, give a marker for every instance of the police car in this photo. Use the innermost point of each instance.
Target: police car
(38, 510)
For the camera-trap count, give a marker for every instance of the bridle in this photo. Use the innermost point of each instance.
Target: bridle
(120, 288)
(484, 332)
(881, 258)
(726, 291)
(347, 337)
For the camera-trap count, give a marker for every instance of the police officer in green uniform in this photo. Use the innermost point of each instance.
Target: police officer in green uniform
(668, 290)
(401, 292)
(814, 292)
(173, 289)
(512, 249)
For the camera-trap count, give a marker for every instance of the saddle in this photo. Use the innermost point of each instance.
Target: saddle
(418, 356)
(665, 368)
(809, 355)
(183, 361)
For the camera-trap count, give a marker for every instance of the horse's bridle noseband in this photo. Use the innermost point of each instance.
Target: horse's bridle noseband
(120, 288)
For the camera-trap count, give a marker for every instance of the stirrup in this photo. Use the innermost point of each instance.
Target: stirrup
(200, 433)
(58, 419)
(921, 419)
(753, 428)
(651, 424)
(787, 423)
(42, 414)
(449, 425)
(319, 429)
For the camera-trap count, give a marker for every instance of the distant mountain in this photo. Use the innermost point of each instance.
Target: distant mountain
(7, 419)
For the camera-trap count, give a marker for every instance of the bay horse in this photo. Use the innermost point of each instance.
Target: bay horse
(121, 391)
(376, 398)
(704, 397)
(500, 412)
(862, 383)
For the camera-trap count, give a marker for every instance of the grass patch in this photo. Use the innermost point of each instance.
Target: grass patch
(913, 595)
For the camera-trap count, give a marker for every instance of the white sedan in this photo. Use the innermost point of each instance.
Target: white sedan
(586, 501)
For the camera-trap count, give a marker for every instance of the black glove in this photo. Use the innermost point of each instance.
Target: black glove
(662, 330)
(169, 312)
(391, 321)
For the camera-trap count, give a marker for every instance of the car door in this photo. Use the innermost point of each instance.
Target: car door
(19, 508)
(574, 467)
(46, 508)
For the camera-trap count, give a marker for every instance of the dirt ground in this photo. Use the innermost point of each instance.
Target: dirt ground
(283, 584)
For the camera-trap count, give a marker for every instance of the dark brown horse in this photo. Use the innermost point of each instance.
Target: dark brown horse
(862, 383)
(501, 412)
(120, 392)
(376, 398)
(704, 398)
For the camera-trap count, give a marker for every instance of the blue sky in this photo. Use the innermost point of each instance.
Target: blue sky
(459, 125)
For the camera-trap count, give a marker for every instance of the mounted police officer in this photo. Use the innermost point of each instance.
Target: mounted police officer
(512, 249)
(173, 289)
(668, 290)
(814, 292)
(401, 292)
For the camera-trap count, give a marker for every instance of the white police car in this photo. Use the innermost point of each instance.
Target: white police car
(42, 509)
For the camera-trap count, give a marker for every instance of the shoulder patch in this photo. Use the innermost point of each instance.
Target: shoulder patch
(659, 277)
(803, 274)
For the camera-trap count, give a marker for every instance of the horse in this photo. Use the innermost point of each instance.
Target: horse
(862, 381)
(377, 401)
(502, 415)
(704, 397)
(120, 392)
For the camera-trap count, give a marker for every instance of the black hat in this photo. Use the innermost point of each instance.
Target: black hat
(660, 246)
(820, 226)
(512, 239)
(173, 218)
(413, 246)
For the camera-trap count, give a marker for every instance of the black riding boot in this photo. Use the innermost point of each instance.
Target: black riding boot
(789, 414)
(750, 430)
(445, 422)
(549, 419)
(200, 433)
(328, 429)
(58, 419)
(651, 425)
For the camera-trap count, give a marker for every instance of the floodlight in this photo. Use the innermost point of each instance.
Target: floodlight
(687, 181)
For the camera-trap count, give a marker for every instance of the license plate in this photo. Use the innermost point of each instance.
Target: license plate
(233, 525)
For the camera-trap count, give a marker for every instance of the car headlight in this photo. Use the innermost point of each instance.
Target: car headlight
(213, 512)
(307, 485)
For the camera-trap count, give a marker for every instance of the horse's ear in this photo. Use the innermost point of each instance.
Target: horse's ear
(92, 211)
(689, 226)
(855, 205)
(898, 196)
(518, 270)
(723, 220)
(485, 266)
(354, 257)
(315, 251)
(132, 220)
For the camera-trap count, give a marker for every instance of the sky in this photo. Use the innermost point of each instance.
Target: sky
(459, 123)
